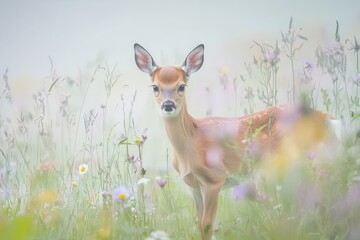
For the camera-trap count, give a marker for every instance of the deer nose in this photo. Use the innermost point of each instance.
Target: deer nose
(168, 106)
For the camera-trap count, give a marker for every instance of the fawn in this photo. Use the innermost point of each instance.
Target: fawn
(204, 151)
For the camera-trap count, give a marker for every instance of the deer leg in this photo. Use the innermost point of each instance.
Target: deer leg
(198, 204)
(210, 200)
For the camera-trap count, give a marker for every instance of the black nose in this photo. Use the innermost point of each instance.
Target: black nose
(168, 106)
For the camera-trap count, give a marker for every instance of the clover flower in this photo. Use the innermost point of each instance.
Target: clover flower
(161, 182)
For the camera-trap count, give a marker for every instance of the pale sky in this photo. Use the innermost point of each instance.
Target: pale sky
(75, 32)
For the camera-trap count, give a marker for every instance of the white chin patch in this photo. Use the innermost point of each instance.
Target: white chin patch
(170, 114)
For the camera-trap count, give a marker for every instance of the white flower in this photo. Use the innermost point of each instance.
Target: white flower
(143, 181)
(83, 168)
(158, 235)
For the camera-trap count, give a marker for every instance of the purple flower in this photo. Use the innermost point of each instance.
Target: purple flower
(309, 65)
(243, 190)
(358, 78)
(240, 192)
(273, 58)
(161, 182)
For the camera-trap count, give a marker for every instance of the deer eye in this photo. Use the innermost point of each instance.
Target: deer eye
(181, 88)
(155, 88)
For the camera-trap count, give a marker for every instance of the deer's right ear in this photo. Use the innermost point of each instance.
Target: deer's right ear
(143, 60)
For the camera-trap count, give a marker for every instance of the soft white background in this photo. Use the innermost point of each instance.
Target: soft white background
(76, 33)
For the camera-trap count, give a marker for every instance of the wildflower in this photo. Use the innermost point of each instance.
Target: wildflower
(47, 197)
(83, 168)
(158, 235)
(120, 194)
(138, 141)
(105, 194)
(273, 58)
(74, 184)
(243, 190)
(239, 192)
(261, 196)
(358, 79)
(143, 181)
(144, 135)
(104, 233)
(224, 70)
(309, 66)
(161, 182)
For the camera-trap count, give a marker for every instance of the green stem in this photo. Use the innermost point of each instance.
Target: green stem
(293, 76)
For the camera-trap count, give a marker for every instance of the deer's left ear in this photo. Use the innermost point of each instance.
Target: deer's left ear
(194, 60)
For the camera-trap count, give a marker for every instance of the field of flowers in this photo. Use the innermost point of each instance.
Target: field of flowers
(71, 173)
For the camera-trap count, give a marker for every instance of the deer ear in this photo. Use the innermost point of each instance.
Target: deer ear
(143, 60)
(194, 60)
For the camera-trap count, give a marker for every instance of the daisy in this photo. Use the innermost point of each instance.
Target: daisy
(120, 194)
(83, 168)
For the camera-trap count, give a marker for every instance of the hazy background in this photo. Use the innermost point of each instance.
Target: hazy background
(75, 32)
(79, 34)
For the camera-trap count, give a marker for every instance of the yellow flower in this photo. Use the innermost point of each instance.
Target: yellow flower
(224, 70)
(138, 141)
(83, 168)
(47, 197)
(74, 184)
(104, 233)
(122, 196)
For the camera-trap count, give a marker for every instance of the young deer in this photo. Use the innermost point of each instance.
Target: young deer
(207, 150)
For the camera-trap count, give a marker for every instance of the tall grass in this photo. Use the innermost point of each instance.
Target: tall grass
(68, 171)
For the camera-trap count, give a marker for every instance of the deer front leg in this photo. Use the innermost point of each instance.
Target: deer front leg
(198, 204)
(210, 200)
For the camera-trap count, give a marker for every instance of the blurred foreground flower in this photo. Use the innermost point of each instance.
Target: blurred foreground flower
(242, 191)
(300, 137)
(120, 194)
(83, 168)
(158, 235)
(104, 233)
(47, 197)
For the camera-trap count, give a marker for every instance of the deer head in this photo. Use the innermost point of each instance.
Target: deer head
(169, 82)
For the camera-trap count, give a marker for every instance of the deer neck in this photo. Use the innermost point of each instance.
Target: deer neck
(180, 129)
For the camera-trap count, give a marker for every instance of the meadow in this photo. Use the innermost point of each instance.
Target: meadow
(69, 171)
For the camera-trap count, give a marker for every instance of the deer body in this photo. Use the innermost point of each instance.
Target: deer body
(206, 150)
